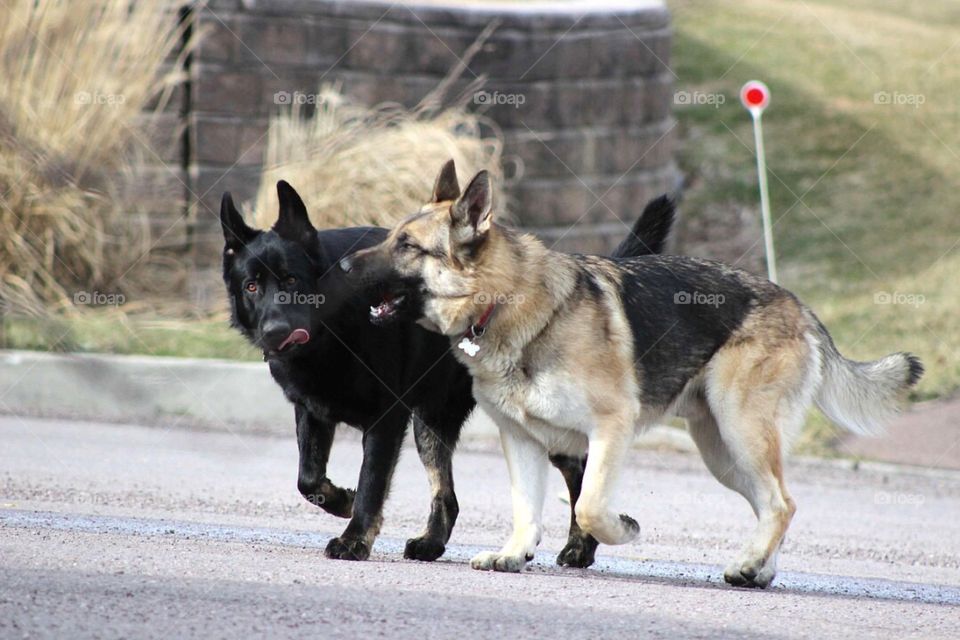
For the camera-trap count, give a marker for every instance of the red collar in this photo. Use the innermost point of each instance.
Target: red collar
(480, 326)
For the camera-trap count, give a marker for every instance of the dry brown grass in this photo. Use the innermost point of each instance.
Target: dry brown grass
(76, 78)
(355, 165)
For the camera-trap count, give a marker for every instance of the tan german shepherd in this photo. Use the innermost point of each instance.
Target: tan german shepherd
(572, 353)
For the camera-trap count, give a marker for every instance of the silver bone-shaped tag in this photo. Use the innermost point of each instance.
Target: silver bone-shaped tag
(469, 347)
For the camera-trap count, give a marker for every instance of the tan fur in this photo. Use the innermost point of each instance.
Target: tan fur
(753, 392)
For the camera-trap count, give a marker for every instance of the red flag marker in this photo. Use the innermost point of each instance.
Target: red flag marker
(755, 96)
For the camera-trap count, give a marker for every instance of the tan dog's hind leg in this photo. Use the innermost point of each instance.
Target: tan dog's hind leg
(751, 400)
(609, 445)
(751, 474)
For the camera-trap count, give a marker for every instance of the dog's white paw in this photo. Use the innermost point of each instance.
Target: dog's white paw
(497, 561)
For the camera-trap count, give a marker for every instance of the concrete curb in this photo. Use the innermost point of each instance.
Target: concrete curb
(241, 397)
(192, 393)
(214, 394)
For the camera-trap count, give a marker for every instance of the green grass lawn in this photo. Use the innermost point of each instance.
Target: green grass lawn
(865, 193)
(110, 331)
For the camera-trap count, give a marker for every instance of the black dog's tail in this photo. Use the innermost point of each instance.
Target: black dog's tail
(650, 231)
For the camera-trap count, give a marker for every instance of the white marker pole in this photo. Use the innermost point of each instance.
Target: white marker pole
(755, 96)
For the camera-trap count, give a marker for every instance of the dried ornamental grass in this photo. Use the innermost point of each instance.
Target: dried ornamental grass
(76, 77)
(357, 165)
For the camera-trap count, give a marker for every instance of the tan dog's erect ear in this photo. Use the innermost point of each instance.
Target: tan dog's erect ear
(446, 187)
(475, 206)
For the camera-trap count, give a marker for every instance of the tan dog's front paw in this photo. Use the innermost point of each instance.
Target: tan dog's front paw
(496, 561)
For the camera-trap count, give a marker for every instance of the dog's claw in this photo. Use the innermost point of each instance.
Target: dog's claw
(632, 526)
(347, 549)
(423, 548)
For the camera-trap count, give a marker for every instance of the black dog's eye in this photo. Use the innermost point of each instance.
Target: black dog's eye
(291, 280)
(252, 286)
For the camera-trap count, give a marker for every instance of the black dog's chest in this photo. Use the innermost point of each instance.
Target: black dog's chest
(337, 387)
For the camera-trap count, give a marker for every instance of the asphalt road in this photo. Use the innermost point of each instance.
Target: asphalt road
(115, 531)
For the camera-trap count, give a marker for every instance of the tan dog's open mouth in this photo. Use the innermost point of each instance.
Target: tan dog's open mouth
(386, 310)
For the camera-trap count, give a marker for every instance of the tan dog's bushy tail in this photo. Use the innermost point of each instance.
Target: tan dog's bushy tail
(862, 397)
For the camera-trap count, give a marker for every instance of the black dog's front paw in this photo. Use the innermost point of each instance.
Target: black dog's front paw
(423, 548)
(324, 494)
(347, 549)
(578, 553)
(339, 502)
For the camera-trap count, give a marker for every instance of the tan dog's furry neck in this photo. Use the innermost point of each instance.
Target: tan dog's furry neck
(524, 278)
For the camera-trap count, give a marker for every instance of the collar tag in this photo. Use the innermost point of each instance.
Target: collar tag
(469, 347)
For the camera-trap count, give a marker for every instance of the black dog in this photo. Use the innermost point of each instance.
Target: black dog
(289, 299)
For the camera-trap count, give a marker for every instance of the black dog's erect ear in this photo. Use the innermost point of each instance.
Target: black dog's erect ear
(236, 233)
(475, 206)
(446, 187)
(293, 223)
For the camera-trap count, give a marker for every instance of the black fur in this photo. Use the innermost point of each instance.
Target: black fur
(916, 369)
(668, 301)
(651, 230)
(372, 378)
(581, 548)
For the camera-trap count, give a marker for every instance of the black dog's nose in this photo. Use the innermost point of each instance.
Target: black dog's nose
(346, 265)
(275, 331)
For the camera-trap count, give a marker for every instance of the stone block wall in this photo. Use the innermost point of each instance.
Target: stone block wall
(580, 90)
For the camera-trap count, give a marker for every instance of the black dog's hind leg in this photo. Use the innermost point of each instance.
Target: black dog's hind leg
(436, 452)
(581, 546)
(314, 439)
(381, 448)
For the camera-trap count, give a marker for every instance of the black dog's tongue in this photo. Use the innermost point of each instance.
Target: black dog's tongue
(297, 336)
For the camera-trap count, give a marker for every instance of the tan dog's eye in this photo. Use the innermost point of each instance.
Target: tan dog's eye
(409, 246)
